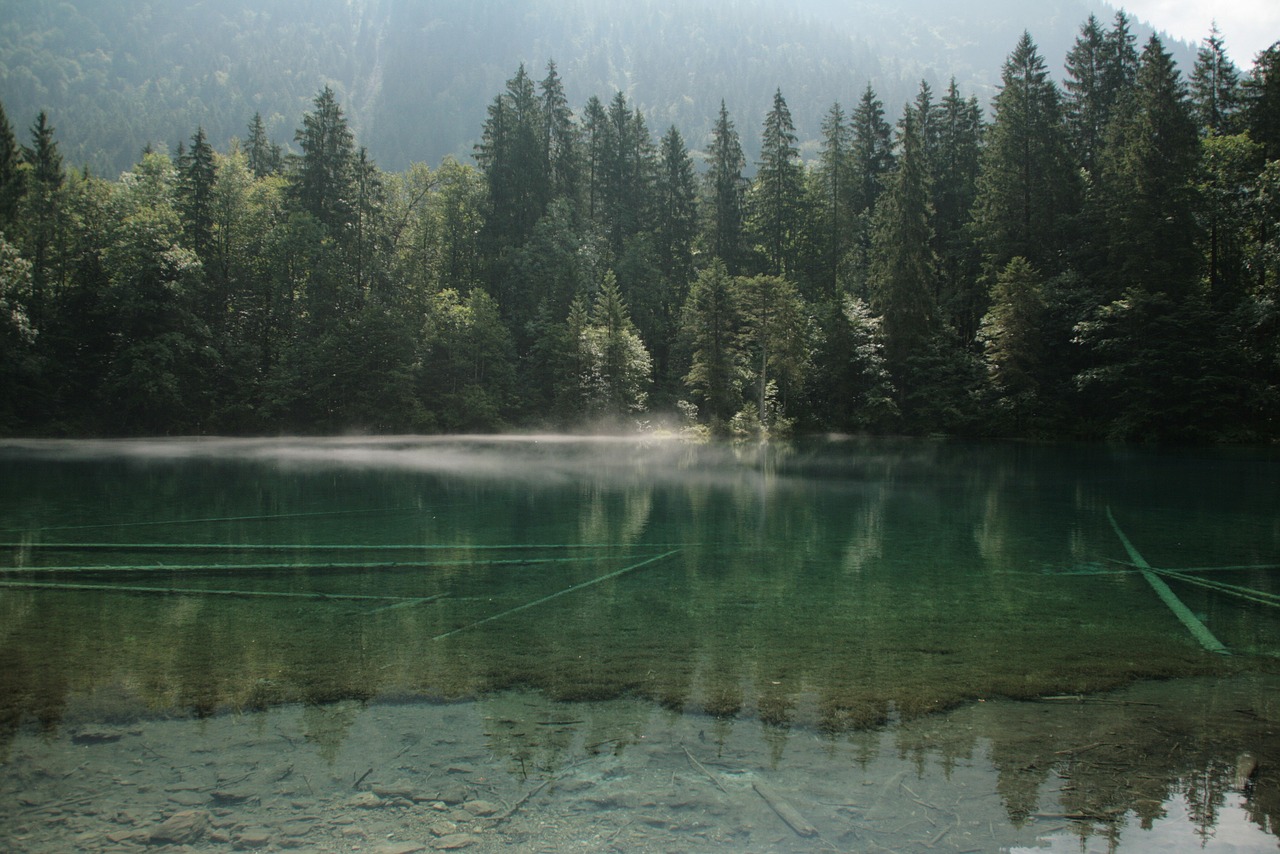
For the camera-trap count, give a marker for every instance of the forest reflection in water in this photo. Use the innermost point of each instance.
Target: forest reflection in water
(825, 587)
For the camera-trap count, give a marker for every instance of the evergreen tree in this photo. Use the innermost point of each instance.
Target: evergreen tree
(322, 177)
(596, 131)
(42, 214)
(778, 194)
(675, 229)
(1148, 174)
(618, 368)
(775, 347)
(902, 263)
(1089, 99)
(196, 182)
(1215, 87)
(1227, 211)
(1120, 60)
(1013, 336)
(710, 324)
(872, 154)
(726, 192)
(560, 138)
(1027, 189)
(264, 157)
(954, 182)
(512, 155)
(834, 197)
(10, 175)
(1262, 101)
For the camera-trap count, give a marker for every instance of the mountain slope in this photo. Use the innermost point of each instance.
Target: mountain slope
(415, 78)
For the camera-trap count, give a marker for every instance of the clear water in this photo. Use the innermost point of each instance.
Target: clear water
(832, 593)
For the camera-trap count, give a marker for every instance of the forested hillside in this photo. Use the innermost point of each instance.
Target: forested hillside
(1099, 258)
(413, 77)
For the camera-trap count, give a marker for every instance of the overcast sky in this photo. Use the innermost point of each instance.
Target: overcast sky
(1248, 26)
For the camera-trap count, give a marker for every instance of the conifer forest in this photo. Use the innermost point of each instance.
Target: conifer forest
(1096, 258)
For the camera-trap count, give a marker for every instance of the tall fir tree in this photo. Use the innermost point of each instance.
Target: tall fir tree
(778, 194)
(954, 184)
(42, 214)
(11, 183)
(709, 324)
(560, 138)
(872, 153)
(264, 157)
(834, 197)
(1215, 87)
(726, 193)
(1028, 187)
(322, 176)
(197, 174)
(1148, 182)
(1089, 100)
(1261, 94)
(902, 263)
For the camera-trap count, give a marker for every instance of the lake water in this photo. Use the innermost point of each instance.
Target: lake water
(638, 644)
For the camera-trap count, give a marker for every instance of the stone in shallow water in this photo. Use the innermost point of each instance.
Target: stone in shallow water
(455, 841)
(254, 838)
(481, 808)
(182, 828)
(400, 848)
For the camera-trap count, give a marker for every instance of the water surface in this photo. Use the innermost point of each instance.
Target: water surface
(824, 590)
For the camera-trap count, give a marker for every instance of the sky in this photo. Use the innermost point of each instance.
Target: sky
(1247, 26)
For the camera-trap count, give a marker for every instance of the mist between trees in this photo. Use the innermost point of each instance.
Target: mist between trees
(1100, 259)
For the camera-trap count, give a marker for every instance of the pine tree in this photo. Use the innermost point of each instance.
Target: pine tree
(834, 197)
(560, 138)
(10, 175)
(264, 157)
(1148, 174)
(1262, 101)
(726, 191)
(42, 214)
(1120, 60)
(902, 263)
(1028, 187)
(1089, 100)
(675, 230)
(512, 155)
(1013, 336)
(774, 344)
(197, 174)
(710, 324)
(954, 182)
(872, 155)
(596, 131)
(1215, 87)
(322, 177)
(778, 194)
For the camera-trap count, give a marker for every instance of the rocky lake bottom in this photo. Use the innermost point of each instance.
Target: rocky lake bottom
(1155, 766)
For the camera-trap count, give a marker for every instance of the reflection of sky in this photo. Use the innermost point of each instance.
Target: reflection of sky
(1177, 831)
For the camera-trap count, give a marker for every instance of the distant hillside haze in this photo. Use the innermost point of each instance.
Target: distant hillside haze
(415, 78)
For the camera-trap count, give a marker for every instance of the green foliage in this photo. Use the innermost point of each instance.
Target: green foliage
(946, 280)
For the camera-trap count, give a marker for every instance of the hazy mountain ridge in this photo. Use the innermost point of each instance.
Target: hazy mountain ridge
(416, 78)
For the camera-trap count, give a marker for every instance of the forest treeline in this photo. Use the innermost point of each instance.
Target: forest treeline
(1100, 259)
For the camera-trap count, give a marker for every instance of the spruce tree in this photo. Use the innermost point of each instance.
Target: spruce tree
(835, 191)
(1262, 101)
(322, 177)
(726, 191)
(42, 213)
(1088, 101)
(872, 154)
(560, 138)
(1148, 174)
(1027, 189)
(10, 175)
(778, 194)
(196, 177)
(1215, 87)
(710, 324)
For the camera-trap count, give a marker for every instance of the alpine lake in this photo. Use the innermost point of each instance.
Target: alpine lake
(552, 643)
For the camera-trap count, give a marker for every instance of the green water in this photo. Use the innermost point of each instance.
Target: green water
(837, 585)
(828, 615)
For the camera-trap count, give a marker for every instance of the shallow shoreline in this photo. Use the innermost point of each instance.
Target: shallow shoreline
(516, 771)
